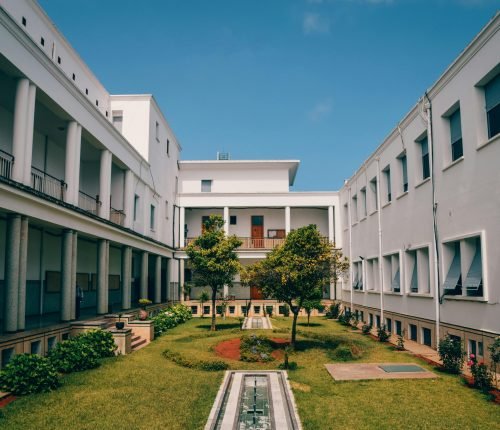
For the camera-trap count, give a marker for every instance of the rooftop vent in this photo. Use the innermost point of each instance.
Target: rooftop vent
(223, 156)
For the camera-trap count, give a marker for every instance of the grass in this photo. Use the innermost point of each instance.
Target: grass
(146, 390)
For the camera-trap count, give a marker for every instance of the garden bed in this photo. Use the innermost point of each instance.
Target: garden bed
(230, 349)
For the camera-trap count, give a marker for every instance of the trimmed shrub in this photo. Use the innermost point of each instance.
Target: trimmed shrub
(74, 355)
(383, 335)
(481, 375)
(100, 341)
(346, 353)
(451, 353)
(29, 373)
(333, 311)
(206, 365)
(291, 365)
(255, 348)
(170, 318)
(366, 329)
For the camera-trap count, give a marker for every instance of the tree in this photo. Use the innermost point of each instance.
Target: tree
(213, 258)
(204, 297)
(339, 266)
(310, 305)
(297, 270)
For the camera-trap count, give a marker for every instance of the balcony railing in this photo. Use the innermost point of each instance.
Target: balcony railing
(47, 184)
(117, 216)
(88, 203)
(6, 161)
(264, 243)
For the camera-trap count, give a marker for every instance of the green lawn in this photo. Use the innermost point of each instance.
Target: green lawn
(145, 390)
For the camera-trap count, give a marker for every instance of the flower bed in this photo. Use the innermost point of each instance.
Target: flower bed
(170, 318)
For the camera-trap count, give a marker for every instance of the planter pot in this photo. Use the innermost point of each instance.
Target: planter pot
(143, 315)
(120, 325)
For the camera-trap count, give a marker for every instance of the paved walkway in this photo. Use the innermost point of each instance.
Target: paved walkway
(363, 371)
(253, 323)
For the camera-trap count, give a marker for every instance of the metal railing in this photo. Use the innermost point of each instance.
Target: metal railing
(47, 184)
(116, 216)
(258, 243)
(88, 203)
(6, 161)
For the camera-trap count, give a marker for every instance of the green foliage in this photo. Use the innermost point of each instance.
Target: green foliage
(144, 302)
(333, 311)
(100, 341)
(255, 348)
(346, 352)
(382, 334)
(286, 310)
(400, 345)
(74, 355)
(214, 260)
(207, 365)
(291, 365)
(171, 317)
(28, 373)
(269, 311)
(494, 350)
(480, 373)
(366, 329)
(451, 353)
(310, 304)
(345, 318)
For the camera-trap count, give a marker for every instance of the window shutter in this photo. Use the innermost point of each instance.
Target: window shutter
(395, 282)
(453, 273)
(414, 277)
(475, 274)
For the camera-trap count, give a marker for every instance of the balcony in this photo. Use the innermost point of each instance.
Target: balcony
(6, 161)
(264, 243)
(88, 203)
(47, 184)
(117, 216)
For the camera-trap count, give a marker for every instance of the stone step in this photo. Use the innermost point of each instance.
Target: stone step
(138, 344)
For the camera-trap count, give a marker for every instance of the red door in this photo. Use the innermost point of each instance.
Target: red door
(255, 294)
(257, 232)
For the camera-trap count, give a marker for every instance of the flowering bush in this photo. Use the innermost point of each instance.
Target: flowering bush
(255, 348)
(171, 317)
(480, 373)
(451, 352)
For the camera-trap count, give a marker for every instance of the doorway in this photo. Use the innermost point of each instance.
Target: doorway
(257, 233)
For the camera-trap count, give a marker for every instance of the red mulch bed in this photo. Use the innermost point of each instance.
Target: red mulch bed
(469, 381)
(6, 400)
(230, 349)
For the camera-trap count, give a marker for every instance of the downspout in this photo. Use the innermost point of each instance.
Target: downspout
(430, 140)
(350, 242)
(380, 271)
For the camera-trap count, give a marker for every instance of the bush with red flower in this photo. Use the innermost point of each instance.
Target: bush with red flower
(480, 373)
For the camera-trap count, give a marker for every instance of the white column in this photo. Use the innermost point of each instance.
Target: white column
(287, 219)
(66, 278)
(181, 281)
(12, 272)
(69, 166)
(74, 261)
(126, 276)
(102, 276)
(28, 145)
(19, 129)
(331, 231)
(76, 168)
(170, 277)
(128, 198)
(226, 220)
(105, 183)
(23, 260)
(157, 297)
(182, 221)
(144, 275)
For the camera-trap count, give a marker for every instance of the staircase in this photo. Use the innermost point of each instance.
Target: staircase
(138, 342)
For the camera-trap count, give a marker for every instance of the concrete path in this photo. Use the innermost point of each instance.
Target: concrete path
(363, 371)
(257, 323)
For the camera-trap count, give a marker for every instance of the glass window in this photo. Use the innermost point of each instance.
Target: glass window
(232, 219)
(373, 187)
(152, 218)
(492, 96)
(426, 168)
(387, 177)
(457, 150)
(404, 172)
(136, 206)
(206, 185)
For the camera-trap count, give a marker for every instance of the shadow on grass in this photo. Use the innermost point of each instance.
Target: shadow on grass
(302, 324)
(220, 327)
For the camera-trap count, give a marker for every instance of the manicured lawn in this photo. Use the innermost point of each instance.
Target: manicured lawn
(145, 390)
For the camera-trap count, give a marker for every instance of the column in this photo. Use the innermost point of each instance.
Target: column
(12, 273)
(76, 168)
(19, 129)
(331, 231)
(23, 259)
(144, 275)
(182, 221)
(170, 272)
(126, 276)
(70, 177)
(28, 145)
(66, 278)
(157, 298)
(287, 219)
(74, 261)
(102, 276)
(105, 183)
(128, 198)
(181, 281)
(226, 220)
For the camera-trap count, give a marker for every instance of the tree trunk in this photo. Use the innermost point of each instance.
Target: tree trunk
(214, 298)
(294, 329)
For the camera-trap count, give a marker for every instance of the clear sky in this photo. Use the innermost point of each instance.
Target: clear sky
(322, 81)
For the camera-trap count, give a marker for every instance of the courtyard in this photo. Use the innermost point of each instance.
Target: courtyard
(148, 390)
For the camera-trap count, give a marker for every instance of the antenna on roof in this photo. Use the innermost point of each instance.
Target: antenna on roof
(223, 156)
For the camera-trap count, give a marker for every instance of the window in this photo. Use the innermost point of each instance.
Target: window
(74, 77)
(232, 219)
(36, 347)
(232, 309)
(418, 270)
(7, 355)
(426, 336)
(362, 193)
(152, 217)
(374, 194)
(388, 324)
(51, 343)
(480, 349)
(97, 102)
(357, 274)
(370, 316)
(372, 274)
(86, 91)
(413, 269)
(378, 320)
(206, 310)
(457, 150)
(256, 310)
(136, 207)
(492, 96)
(117, 119)
(391, 273)
(166, 209)
(59, 60)
(424, 149)
(206, 185)
(387, 178)
(157, 131)
(194, 310)
(24, 21)
(168, 147)
(399, 332)
(354, 209)
(413, 332)
(404, 172)
(42, 41)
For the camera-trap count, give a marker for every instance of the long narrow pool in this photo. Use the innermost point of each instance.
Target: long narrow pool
(254, 401)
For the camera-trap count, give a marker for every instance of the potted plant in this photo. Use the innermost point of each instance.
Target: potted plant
(119, 324)
(143, 313)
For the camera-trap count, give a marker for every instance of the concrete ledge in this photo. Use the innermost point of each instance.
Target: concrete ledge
(123, 340)
(144, 329)
(78, 327)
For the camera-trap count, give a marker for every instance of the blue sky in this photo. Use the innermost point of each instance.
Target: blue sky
(322, 81)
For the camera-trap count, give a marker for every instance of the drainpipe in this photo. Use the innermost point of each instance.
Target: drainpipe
(350, 242)
(380, 271)
(437, 290)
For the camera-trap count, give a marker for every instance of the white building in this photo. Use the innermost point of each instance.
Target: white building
(421, 215)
